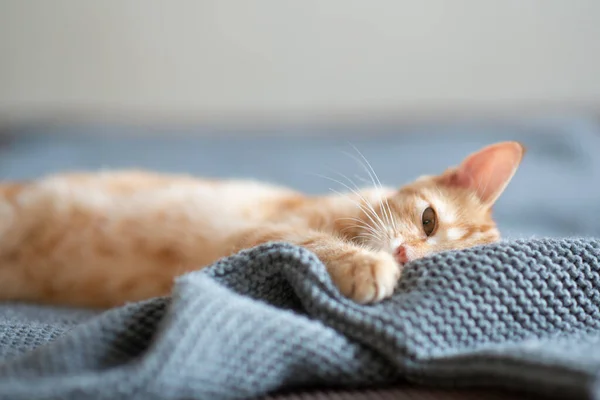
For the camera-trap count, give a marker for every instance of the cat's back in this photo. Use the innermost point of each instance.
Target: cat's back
(136, 196)
(144, 186)
(131, 182)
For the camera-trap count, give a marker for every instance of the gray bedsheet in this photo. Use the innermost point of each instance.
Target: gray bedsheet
(555, 194)
(522, 315)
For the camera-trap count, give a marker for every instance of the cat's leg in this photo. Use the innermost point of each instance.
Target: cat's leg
(363, 275)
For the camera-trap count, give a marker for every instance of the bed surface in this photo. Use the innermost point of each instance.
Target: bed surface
(555, 193)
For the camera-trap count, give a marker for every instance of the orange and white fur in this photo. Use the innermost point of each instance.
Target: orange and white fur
(104, 239)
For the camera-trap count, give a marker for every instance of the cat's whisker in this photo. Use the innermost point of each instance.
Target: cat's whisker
(360, 225)
(392, 218)
(357, 192)
(361, 178)
(367, 237)
(374, 237)
(368, 209)
(355, 220)
(366, 165)
(350, 181)
(376, 222)
(370, 212)
(377, 182)
(388, 219)
(358, 177)
(376, 234)
(373, 181)
(395, 230)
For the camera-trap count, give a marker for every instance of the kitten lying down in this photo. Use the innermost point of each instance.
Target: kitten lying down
(104, 239)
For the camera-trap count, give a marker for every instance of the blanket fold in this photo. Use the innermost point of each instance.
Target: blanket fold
(518, 314)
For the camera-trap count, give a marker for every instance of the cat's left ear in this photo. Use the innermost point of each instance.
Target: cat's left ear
(488, 171)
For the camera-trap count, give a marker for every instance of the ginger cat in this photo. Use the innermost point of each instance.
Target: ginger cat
(104, 239)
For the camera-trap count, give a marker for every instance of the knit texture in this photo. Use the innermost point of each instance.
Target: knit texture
(521, 315)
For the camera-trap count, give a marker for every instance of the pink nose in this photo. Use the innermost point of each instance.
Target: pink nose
(400, 254)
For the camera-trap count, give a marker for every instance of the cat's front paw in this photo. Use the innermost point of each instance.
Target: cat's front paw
(366, 276)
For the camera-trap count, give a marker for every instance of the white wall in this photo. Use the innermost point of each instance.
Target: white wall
(196, 60)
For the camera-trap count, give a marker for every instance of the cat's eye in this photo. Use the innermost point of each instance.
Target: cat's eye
(429, 221)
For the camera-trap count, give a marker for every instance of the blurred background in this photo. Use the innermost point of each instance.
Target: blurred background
(279, 89)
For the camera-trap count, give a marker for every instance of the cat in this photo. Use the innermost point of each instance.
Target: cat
(104, 239)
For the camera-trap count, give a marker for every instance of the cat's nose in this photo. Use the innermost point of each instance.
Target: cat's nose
(400, 254)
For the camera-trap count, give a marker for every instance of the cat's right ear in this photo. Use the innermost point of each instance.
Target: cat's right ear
(488, 171)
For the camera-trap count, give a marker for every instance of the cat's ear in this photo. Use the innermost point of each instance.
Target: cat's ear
(488, 171)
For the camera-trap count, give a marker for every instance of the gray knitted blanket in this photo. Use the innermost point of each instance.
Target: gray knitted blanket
(522, 315)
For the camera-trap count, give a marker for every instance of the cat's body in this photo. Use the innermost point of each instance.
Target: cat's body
(103, 239)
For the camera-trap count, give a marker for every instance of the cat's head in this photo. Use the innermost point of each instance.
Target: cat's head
(449, 211)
